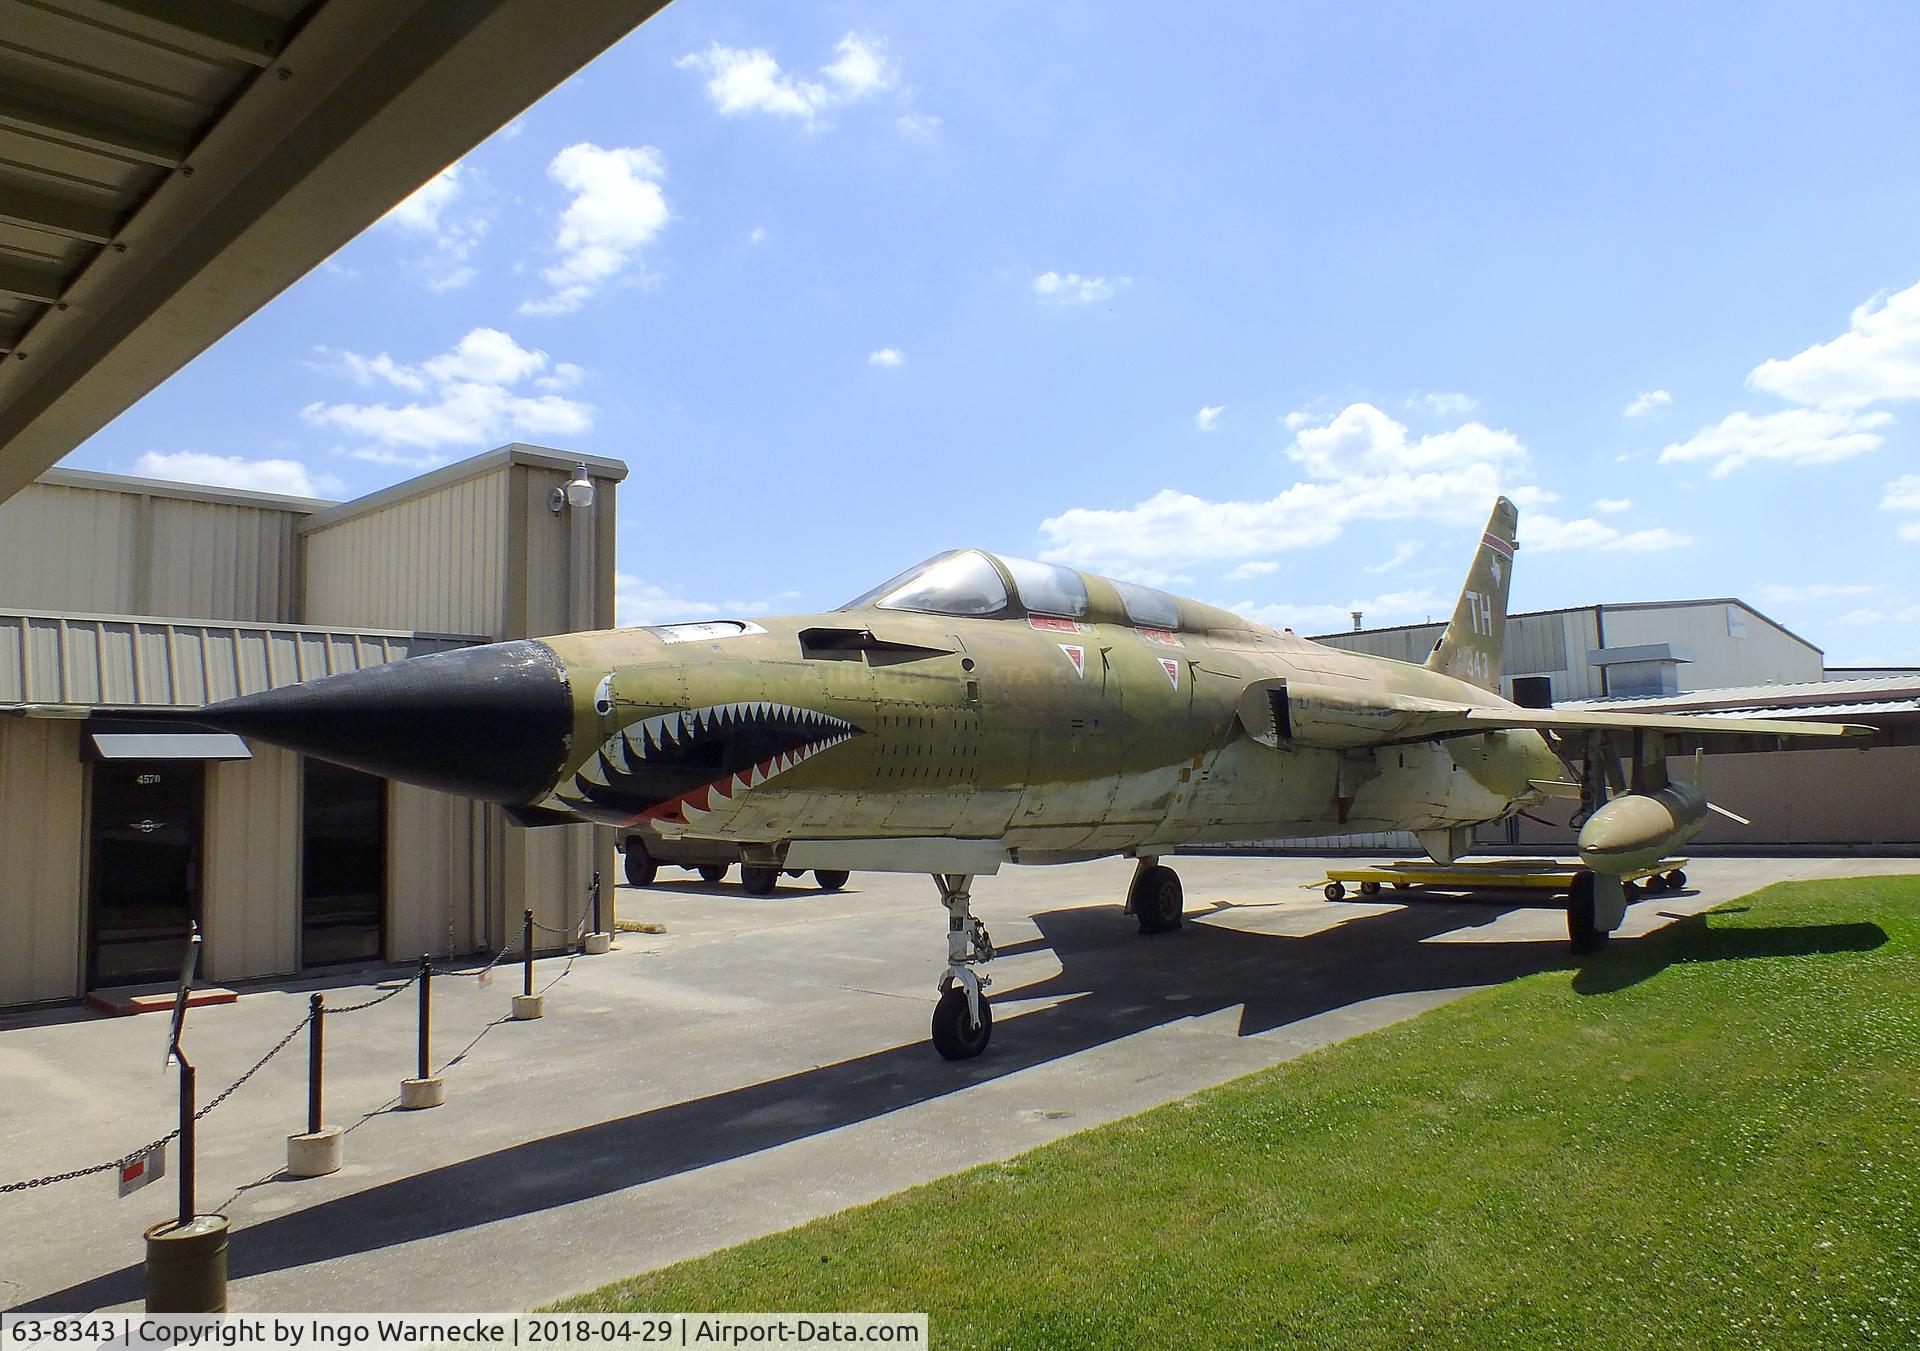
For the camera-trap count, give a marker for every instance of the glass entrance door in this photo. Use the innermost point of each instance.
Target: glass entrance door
(344, 866)
(146, 868)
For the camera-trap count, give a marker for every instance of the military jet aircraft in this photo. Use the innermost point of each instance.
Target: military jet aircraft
(978, 710)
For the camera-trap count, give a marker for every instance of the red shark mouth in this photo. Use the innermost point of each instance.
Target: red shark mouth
(677, 768)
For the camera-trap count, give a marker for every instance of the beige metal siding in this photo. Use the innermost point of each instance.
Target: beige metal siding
(443, 870)
(549, 871)
(77, 659)
(42, 872)
(1763, 654)
(435, 562)
(99, 551)
(250, 898)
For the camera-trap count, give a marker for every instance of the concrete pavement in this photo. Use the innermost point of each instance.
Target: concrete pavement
(760, 1063)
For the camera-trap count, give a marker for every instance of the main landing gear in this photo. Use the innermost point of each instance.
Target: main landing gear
(1155, 897)
(962, 1020)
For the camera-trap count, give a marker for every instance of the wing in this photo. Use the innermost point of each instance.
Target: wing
(1285, 712)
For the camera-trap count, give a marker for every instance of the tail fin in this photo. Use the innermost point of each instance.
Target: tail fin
(1473, 647)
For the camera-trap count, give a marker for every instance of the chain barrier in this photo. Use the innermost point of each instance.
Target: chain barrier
(171, 1135)
(579, 925)
(482, 973)
(377, 1000)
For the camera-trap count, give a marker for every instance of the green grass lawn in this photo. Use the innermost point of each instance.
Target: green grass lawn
(1710, 1137)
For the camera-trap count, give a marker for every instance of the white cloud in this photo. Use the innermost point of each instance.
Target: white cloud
(1361, 439)
(637, 601)
(1773, 593)
(758, 235)
(749, 80)
(428, 212)
(618, 208)
(288, 477)
(1209, 416)
(1549, 534)
(1613, 506)
(1395, 607)
(920, 126)
(1875, 360)
(1863, 616)
(1792, 435)
(1070, 288)
(1647, 404)
(886, 356)
(466, 396)
(1910, 532)
(1446, 404)
(1259, 567)
(1361, 465)
(1903, 494)
(1402, 555)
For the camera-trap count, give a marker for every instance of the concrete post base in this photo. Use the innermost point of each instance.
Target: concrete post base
(593, 945)
(419, 1094)
(528, 1006)
(317, 1154)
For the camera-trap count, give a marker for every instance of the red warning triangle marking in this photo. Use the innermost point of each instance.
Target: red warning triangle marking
(1078, 656)
(1172, 668)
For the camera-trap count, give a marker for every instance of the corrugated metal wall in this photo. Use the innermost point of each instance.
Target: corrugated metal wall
(1729, 645)
(436, 562)
(443, 864)
(66, 659)
(92, 550)
(42, 873)
(250, 881)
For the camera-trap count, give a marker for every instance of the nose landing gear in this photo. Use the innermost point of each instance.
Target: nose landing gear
(962, 1020)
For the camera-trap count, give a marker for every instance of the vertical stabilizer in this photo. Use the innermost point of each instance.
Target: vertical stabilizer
(1474, 645)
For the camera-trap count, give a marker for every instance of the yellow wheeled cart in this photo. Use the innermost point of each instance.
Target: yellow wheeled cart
(1540, 876)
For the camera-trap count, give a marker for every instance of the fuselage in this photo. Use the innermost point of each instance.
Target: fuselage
(1056, 738)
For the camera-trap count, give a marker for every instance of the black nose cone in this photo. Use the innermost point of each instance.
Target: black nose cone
(489, 722)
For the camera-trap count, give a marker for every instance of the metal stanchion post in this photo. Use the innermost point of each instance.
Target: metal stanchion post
(320, 1150)
(599, 940)
(527, 1005)
(186, 1267)
(424, 1089)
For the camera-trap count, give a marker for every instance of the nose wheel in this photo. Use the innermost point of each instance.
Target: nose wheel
(962, 1020)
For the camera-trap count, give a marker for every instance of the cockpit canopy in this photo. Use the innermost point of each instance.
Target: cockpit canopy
(975, 584)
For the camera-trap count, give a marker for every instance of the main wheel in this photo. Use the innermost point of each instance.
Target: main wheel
(1581, 932)
(830, 879)
(1159, 901)
(712, 872)
(1369, 888)
(758, 881)
(954, 1035)
(1334, 891)
(641, 866)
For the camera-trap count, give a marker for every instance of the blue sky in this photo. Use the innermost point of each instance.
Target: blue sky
(1263, 308)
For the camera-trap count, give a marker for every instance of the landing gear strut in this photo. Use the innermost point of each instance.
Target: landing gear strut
(962, 1020)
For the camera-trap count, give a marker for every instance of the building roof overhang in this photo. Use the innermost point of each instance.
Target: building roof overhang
(167, 169)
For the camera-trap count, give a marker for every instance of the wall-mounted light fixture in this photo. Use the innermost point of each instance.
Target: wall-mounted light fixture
(578, 493)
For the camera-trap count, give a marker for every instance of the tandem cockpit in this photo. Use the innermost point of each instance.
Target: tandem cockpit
(979, 585)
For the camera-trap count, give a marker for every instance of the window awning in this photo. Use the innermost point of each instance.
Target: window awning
(136, 741)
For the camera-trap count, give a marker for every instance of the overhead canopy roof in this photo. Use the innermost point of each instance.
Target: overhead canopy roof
(169, 166)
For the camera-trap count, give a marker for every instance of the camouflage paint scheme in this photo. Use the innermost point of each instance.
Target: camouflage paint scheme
(988, 729)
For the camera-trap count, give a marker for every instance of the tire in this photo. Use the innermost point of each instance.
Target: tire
(712, 872)
(641, 866)
(954, 1035)
(758, 881)
(1335, 891)
(1369, 888)
(1581, 933)
(1676, 880)
(1402, 886)
(1159, 901)
(830, 879)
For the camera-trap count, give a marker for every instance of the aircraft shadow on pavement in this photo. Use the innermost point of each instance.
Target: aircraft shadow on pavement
(1124, 985)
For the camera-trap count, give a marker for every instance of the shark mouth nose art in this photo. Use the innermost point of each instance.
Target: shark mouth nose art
(677, 767)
